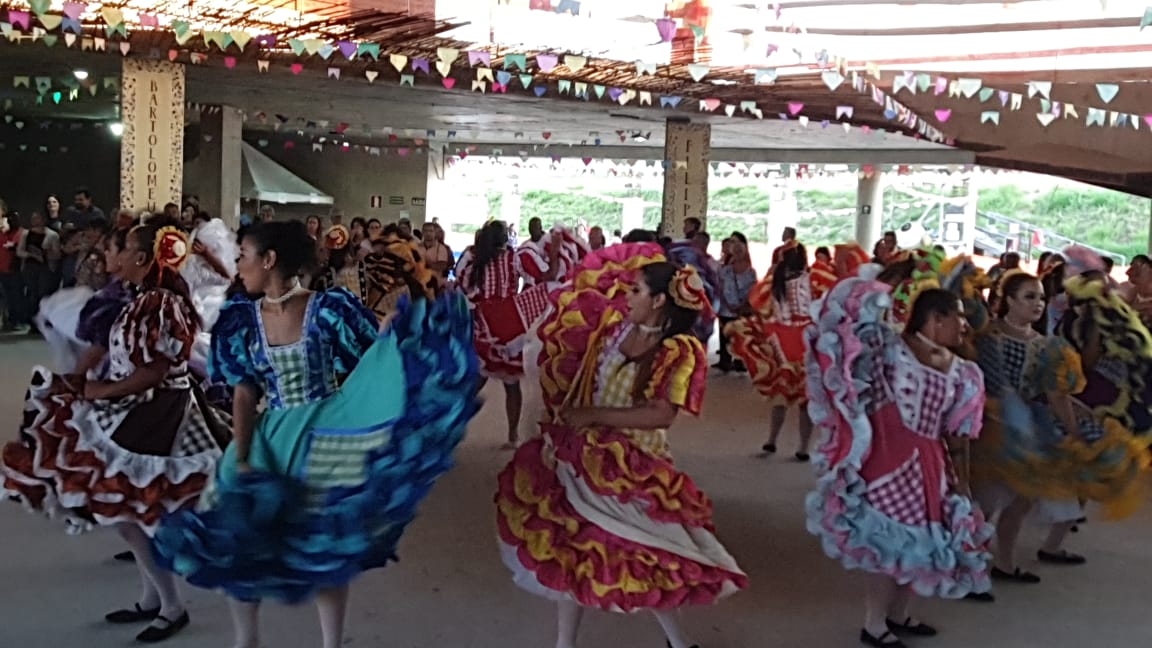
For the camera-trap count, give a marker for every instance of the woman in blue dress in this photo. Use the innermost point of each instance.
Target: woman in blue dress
(319, 486)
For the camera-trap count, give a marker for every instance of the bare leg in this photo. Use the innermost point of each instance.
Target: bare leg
(898, 610)
(245, 623)
(513, 404)
(1054, 543)
(164, 582)
(670, 622)
(879, 596)
(805, 431)
(1008, 531)
(776, 424)
(332, 604)
(568, 616)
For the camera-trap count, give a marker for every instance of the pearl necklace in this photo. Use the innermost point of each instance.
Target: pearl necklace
(650, 330)
(296, 289)
(1020, 331)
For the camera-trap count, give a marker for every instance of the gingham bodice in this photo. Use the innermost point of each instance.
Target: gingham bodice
(615, 379)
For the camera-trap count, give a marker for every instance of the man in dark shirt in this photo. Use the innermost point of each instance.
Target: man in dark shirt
(82, 210)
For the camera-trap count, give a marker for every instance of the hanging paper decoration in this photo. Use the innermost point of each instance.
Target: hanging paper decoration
(666, 27)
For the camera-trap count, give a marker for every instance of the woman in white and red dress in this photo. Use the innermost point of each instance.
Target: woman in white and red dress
(125, 451)
(502, 315)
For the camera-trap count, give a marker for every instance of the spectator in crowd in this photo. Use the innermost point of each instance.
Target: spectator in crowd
(267, 214)
(437, 256)
(81, 211)
(404, 228)
(52, 213)
(596, 238)
(1008, 261)
(39, 253)
(12, 287)
(692, 225)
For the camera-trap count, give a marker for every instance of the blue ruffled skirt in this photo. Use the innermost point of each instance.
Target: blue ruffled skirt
(334, 484)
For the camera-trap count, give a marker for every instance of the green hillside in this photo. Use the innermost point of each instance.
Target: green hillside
(1104, 219)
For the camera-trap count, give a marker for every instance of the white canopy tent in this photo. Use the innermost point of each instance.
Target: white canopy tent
(263, 180)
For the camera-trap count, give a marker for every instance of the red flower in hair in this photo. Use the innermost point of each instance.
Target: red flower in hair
(171, 248)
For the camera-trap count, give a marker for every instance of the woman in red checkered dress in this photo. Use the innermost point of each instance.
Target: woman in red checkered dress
(889, 502)
(770, 342)
(502, 315)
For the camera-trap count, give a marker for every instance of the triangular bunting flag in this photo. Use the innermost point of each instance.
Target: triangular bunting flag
(443, 67)
(333, 73)
(832, 79)
(1042, 88)
(565, 86)
(599, 90)
(698, 71)
(645, 98)
(1045, 118)
(1095, 117)
(843, 112)
(575, 63)
(516, 61)
(765, 76)
(484, 74)
(969, 87)
(398, 61)
(482, 86)
(371, 75)
(241, 38)
(986, 94)
(990, 116)
(50, 21)
(546, 62)
(1070, 112)
(1107, 91)
(262, 66)
(643, 68)
(526, 80)
(447, 54)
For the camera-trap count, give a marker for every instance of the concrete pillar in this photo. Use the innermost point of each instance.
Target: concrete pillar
(1150, 226)
(687, 149)
(869, 209)
(152, 145)
(220, 163)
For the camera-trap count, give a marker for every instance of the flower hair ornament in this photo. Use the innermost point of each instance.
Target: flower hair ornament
(1003, 281)
(171, 249)
(687, 290)
(337, 237)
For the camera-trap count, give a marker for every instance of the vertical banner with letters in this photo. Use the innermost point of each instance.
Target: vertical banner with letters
(152, 146)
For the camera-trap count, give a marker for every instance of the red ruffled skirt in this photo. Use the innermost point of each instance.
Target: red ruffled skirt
(592, 517)
(774, 354)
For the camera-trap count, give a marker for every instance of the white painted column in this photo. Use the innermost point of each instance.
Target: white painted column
(869, 209)
(220, 162)
(152, 146)
(687, 153)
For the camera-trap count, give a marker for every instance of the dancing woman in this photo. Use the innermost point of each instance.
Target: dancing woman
(771, 343)
(125, 451)
(502, 315)
(594, 514)
(319, 486)
(889, 502)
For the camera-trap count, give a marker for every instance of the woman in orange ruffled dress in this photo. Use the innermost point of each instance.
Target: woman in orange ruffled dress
(771, 343)
(594, 514)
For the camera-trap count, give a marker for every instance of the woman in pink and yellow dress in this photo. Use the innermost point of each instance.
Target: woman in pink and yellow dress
(594, 514)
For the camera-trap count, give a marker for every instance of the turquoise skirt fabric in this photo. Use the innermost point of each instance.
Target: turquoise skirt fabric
(334, 483)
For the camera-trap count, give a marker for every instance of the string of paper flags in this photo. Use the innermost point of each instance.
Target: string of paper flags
(517, 72)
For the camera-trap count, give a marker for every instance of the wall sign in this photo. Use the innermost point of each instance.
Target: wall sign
(417, 201)
(395, 200)
(152, 144)
(375, 202)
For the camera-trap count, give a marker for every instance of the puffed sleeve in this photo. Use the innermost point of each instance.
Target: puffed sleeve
(348, 326)
(1057, 368)
(679, 374)
(160, 325)
(231, 360)
(965, 416)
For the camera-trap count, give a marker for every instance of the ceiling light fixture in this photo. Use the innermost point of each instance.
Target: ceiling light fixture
(80, 74)
(116, 128)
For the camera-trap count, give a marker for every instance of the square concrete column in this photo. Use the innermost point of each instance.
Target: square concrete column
(220, 165)
(687, 153)
(869, 208)
(152, 145)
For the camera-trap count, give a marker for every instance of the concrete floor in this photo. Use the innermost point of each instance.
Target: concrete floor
(451, 591)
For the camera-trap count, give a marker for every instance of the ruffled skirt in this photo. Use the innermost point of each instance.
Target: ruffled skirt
(501, 328)
(904, 519)
(106, 462)
(1024, 448)
(773, 352)
(335, 483)
(592, 517)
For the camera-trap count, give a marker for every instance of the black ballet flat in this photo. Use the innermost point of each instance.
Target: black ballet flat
(802, 457)
(866, 638)
(1016, 576)
(917, 630)
(136, 615)
(670, 644)
(154, 634)
(1060, 557)
(980, 597)
(125, 556)
(769, 448)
